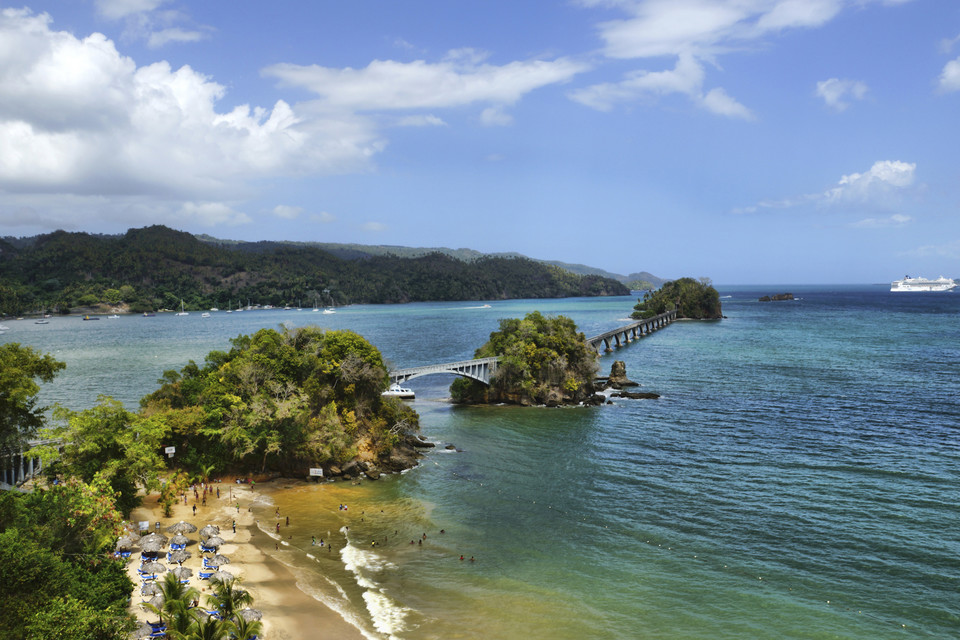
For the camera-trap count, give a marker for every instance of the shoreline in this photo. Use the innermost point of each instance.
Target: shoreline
(288, 612)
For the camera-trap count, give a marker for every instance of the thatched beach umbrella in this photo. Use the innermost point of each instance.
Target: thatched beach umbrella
(156, 601)
(153, 537)
(125, 543)
(251, 614)
(150, 589)
(152, 567)
(151, 546)
(209, 530)
(182, 573)
(182, 527)
(179, 556)
(143, 631)
(223, 576)
(214, 541)
(179, 539)
(218, 560)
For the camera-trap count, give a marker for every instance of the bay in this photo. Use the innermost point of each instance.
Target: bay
(797, 479)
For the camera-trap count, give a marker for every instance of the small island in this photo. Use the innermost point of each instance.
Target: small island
(543, 361)
(692, 299)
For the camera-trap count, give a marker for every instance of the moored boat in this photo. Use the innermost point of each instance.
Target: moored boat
(396, 391)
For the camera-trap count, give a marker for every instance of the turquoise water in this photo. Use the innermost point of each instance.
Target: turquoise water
(797, 479)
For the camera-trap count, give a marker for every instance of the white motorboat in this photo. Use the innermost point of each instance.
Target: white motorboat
(396, 391)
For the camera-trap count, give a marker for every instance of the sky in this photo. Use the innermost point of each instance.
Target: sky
(748, 141)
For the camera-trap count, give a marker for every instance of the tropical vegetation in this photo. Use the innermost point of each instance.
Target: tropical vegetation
(59, 579)
(695, 299)
(284, 401)
(158, 268)
(543, 360)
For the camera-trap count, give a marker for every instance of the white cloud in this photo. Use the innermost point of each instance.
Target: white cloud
(78, 118)
(878, 187)
(117, 9)
(144, 20)
(950, 76)
(694, 32)
(495, 117)
(881, 179)
(287, 212)
(946, 250)
(717, 101)
(421, 121)
(212, 214)
(458, 80)
(159, 38)
(323, 217)
(374, 227)
(896, 220)
(836, 92)
(685, 78)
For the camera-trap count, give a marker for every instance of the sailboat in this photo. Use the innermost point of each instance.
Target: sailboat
(182, 312)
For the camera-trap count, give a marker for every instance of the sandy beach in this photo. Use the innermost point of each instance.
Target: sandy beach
(288, 612)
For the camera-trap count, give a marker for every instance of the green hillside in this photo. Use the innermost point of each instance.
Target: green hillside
(157, 267)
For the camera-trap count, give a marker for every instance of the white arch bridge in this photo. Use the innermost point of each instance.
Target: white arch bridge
(482, 368)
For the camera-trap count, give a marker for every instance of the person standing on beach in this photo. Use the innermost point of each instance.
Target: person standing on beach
(234, 526)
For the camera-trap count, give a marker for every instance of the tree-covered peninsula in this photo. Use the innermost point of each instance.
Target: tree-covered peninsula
(543, 360)
(287, 401)
(157, 268)
(695, 299)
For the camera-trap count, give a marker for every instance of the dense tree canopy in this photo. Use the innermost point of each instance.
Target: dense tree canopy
(20, 368)
(696, 299)
(284, 400)
(157, 267)
(543, 359)
(59, 580)
(106, 440)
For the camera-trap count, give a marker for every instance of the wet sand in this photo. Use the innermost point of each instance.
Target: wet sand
(288, 612)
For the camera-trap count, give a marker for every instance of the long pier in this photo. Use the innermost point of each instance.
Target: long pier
(482, 368)
(620, 336)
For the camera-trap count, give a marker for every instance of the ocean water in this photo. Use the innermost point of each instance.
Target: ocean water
(798, 478)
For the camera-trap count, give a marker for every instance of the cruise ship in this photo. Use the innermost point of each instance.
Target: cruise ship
(922, 284)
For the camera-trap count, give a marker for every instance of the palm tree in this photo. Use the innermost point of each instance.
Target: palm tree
(228, 598)
(177, 601)
(209, 629)
(245, 629)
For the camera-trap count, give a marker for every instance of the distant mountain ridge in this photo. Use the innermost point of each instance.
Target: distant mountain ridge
(352, 251)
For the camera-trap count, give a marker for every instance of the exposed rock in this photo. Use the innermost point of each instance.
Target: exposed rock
(372, 472)
(417, 441)
(618, 376)
(637, 395)
(450, 447)
(779, 296)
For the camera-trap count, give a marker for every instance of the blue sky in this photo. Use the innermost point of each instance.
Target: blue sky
(749, 141)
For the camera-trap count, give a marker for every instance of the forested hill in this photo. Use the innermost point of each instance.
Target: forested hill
(157, 267)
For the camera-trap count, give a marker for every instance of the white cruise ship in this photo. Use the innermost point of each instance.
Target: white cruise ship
(922, 284)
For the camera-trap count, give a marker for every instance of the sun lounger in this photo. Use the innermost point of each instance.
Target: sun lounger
(206, 549)
(206, 575)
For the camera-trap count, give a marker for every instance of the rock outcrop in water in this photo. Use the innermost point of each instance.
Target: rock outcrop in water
(779, 296)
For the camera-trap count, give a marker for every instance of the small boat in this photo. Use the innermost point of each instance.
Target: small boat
(204, 315)
(114, 317)
(329, 310)
(396, 391)
(41, 322)
(182, 312)
(148, 315)
(91, 317)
